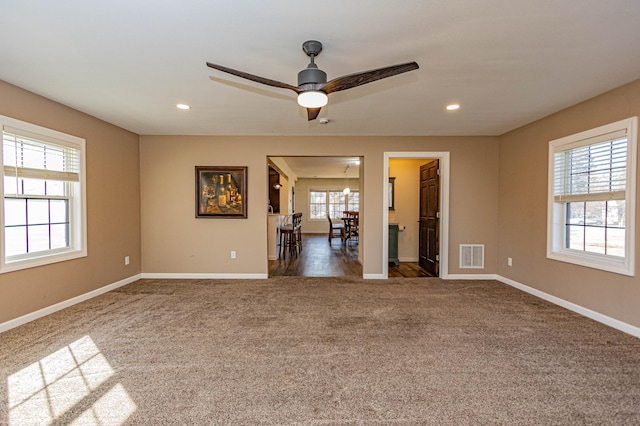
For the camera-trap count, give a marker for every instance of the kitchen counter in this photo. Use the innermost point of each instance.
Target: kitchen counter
(274, 220)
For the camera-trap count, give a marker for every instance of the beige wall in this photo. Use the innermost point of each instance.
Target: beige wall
(113, 209)
(173, 241)
(523, 204)
(141, 204)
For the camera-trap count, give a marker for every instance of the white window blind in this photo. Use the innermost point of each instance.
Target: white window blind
(26, 157)
(592, 171)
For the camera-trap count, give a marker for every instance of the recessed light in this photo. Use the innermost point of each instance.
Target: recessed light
(183, 106)
(453, 107)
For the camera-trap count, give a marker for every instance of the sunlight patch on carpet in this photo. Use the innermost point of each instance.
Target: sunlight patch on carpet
(48, 389)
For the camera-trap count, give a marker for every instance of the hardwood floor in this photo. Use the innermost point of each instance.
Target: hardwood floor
(407, 270)
(319, 259)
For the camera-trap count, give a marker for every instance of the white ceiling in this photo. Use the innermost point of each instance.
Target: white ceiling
(508, 62)
(324, 167)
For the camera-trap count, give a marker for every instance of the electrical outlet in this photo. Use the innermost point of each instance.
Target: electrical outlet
(509, 261)
(126, 260)
(233, 254)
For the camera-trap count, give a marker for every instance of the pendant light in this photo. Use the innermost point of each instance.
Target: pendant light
(346, 190)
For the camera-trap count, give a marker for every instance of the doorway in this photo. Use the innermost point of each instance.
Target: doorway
(434, 248)
(317, 186)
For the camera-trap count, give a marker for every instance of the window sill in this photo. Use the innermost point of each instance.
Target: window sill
(603, 263)
(45, 259)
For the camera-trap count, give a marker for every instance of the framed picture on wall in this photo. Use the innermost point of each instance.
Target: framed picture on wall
(221, 192)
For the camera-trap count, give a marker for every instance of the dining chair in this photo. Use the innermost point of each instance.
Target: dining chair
(353, 231)
(336, 230)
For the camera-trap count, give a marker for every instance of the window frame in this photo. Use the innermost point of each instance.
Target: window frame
(333, 205)
(77, 208)
(350, 203)
(311, 203)
(557, 210)
(328, 201)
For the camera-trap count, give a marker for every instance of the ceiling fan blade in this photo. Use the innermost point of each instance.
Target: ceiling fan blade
(255, 78)
(360, 78)
(312, 113)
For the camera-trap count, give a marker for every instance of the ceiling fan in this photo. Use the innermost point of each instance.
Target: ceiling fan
(313, 87)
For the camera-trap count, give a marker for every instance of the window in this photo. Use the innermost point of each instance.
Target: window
(591, 207)
(353, 201)
(332, 201)
(317, 205)
(44, 214)
(336, 203)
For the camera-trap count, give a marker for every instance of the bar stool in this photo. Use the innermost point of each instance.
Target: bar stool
(287, 239)
(291, 236)
(297, 228)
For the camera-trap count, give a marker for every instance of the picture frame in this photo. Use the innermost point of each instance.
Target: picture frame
(221, 192)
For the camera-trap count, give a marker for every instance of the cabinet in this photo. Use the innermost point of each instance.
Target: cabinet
(393, 243)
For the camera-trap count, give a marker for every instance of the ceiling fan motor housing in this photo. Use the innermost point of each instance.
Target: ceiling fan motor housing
(311, 75)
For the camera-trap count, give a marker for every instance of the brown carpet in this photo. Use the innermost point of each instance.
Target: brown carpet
(293, 350)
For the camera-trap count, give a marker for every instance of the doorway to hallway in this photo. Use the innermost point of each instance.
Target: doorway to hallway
(422, 226)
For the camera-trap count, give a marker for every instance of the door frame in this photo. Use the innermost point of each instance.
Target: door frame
(444, 157)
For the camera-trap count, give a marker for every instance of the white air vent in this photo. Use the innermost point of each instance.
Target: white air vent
(472, 256)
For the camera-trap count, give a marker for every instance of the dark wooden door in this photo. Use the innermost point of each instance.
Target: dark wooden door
(429, 236)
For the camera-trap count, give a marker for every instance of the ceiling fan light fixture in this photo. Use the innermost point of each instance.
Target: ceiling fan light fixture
(313, 88)
(312, 99)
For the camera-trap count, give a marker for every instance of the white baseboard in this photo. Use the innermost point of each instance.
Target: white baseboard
(470, 277)
(408, 259)
(373, 276)
(8, 325)
(596, 316)
(188, 276)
